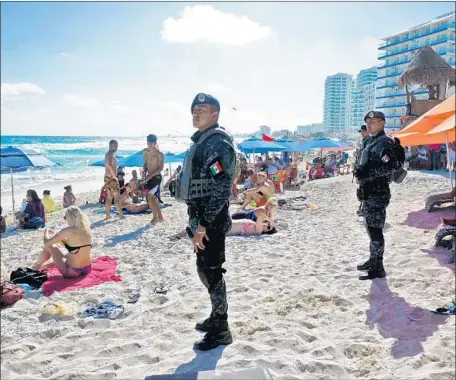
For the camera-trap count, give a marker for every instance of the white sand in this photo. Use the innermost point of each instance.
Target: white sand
(296, 305)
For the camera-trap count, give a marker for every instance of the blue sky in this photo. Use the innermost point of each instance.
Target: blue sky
(133, 68)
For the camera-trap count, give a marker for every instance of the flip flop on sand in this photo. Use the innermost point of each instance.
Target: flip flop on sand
(134, 298)
(160, 290)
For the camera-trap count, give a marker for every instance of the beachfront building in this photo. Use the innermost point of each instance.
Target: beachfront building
(309, 129)
(362, 96)
(336, 114)
(398, 50)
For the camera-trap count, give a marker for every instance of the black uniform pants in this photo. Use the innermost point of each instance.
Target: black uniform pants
(375, 214)
(209, 266)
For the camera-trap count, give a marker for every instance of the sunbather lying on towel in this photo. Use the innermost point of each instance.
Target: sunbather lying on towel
(267, 210)
(243, 227)
(126, 202)
(76, 239)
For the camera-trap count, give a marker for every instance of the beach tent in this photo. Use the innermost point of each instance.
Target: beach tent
(17, 160)
(256, 145)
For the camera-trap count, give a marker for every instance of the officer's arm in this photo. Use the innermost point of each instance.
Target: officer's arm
(219, 161)
(388, 156)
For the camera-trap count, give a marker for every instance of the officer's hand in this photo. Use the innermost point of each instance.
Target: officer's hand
(197, 241)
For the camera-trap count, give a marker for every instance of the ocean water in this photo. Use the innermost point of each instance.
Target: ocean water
(75, 154)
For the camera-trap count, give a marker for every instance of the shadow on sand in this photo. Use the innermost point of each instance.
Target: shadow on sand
(442, 255)
(397, 319)
(203, 361)
(428, 220)
(114, 240)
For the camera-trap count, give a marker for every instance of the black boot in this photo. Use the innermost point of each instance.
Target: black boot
(204, 326)
(375, 271)
(218, 335)
(364, 266)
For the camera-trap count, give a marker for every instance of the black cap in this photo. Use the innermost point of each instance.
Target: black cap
(202, 98)
(151, 139)
(363, 128)
(374, 115)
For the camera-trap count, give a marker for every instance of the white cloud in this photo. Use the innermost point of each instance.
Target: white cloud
(20, 90)
(204, 23)
(217, 87)
(79, 100)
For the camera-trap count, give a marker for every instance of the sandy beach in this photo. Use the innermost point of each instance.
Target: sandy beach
(296, 305)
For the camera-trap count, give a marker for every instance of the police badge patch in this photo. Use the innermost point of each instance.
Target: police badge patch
(371, 114)
(201, 98)
(385, 158)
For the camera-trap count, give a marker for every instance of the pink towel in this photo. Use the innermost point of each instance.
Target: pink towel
(103, 269)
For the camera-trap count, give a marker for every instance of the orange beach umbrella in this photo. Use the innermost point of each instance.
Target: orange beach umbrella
(432, 118)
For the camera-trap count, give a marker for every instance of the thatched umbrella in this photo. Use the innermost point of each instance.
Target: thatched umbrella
(427, 69)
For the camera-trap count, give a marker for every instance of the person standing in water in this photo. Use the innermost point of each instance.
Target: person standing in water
(111, 181)
(153, 166)
(205, 184)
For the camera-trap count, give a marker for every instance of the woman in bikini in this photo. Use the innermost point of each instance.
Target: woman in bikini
(77, 240)
(126, 203)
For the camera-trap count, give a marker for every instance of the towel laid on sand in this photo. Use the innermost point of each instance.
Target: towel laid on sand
(103, 269)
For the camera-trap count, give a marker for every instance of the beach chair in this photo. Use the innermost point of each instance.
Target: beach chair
(436, 200)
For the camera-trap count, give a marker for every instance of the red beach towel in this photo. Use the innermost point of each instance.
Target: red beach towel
(103, 269)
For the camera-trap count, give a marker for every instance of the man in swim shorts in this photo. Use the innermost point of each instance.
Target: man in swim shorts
(111, 181)
(153, 166)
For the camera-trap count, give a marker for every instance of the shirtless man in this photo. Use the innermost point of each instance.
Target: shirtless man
(261, 193)
(153, 166)
(111, 181)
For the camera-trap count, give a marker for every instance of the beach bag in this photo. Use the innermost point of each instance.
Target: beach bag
(10, 294)
(34, 223)
(28, 276)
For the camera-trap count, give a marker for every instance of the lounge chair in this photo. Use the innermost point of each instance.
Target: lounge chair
(435, 200)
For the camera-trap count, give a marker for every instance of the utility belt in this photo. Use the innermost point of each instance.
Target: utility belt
(371, 186)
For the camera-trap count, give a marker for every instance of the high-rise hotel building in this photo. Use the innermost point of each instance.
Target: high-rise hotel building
(398, 50)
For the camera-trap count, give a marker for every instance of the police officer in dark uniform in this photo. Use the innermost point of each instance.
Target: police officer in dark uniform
(374, 168)
(205, 184)
(364, 136)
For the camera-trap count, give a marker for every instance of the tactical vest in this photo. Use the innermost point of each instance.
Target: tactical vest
(194, 182)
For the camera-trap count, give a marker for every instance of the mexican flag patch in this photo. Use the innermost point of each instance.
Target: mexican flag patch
(216, 168)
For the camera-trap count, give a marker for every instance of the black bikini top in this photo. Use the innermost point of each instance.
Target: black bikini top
(75, 250)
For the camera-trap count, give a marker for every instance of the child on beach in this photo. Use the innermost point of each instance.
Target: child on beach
(48, 202)
(68, 197)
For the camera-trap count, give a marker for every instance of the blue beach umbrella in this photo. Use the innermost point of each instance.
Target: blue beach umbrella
(18, 160)
(256, 145)
(101, 163)
(137, 159)
(318, 143)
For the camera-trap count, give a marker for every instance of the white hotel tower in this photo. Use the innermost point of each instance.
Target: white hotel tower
(398, 50)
